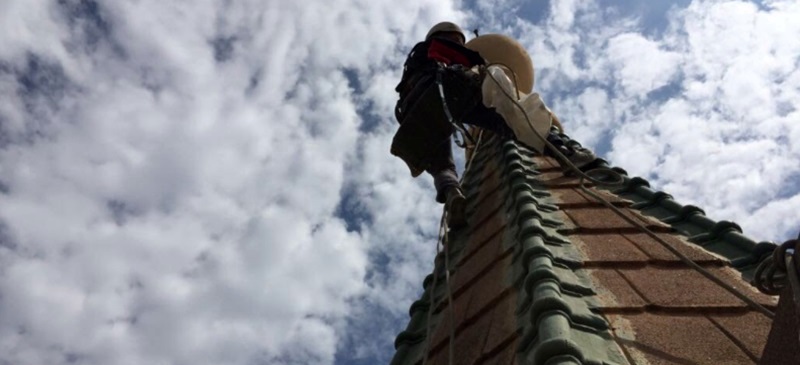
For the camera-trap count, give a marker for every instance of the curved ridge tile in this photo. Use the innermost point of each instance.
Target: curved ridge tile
(558, 324)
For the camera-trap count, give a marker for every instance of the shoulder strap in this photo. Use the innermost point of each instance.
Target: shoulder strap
(417, 60)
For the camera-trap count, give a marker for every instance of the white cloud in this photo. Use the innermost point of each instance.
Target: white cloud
(640, 64)
(726, 137)
(166, 201)
(702, 107)
(594, 113)
(176, 205)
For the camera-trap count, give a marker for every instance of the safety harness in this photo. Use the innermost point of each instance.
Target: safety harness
(436, 92)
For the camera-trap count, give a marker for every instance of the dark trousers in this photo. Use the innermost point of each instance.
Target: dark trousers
(442, 166)
(443, 170)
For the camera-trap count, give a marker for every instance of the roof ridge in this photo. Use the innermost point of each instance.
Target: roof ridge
(723, 238)
(526, 283)
(555, 300)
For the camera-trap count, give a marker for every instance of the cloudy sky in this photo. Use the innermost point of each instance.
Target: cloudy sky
(208, 182)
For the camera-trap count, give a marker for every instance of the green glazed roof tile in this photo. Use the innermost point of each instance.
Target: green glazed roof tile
(549, 297)
(566, 255)
(536, 197)
(654, 200)
(554, 309)
(722, 238)
(684, 213)
(556, 298)
(554, 341)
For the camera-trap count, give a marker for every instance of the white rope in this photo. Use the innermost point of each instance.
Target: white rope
(452, 329)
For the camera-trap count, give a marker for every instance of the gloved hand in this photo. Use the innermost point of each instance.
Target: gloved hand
(468, 74)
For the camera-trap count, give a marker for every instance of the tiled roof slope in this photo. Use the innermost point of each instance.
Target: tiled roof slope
(484, 298)
(546, 275)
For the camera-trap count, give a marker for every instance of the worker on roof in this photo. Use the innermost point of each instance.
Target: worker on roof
(443, 51)
(443, 47)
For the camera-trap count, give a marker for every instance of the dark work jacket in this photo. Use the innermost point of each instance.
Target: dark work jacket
(420, 68)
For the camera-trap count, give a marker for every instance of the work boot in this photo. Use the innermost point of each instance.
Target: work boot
(456, 208)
